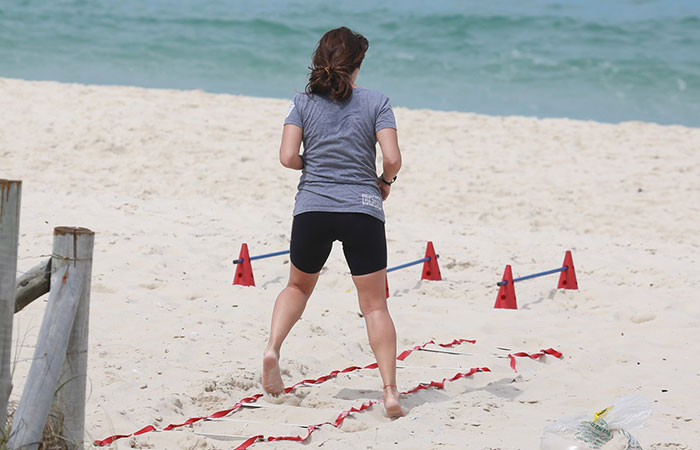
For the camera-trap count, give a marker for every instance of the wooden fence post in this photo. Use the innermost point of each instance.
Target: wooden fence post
(74, 247)
(10, 194)
(49, 356)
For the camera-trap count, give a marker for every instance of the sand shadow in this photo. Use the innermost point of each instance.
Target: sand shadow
(552, 294)
(358, 394)
(504, 388)
(274, 281)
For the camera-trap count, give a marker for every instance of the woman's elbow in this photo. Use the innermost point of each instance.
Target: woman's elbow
(393, 161)
(286, 158)
(291, 161)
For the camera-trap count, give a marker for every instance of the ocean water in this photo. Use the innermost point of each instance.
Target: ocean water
(605, 60)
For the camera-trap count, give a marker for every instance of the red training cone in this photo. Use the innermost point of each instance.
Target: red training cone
(431, 270)
(386, 283)
(506, 293)
(567, 278)
(244, 271)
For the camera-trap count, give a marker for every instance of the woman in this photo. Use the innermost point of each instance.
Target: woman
(339, 198)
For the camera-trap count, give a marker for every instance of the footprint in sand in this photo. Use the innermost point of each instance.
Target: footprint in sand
(293, 399)
(642, 317)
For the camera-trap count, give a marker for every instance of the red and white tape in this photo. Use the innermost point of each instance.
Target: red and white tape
(322, 379)
(341, 417)
(541, 353)
(405, 353)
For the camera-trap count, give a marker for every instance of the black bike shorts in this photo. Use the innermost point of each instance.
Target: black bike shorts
(362, 235)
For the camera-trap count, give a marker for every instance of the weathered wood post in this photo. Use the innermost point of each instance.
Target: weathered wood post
(49, 356)
(74, 246)
(10, 193)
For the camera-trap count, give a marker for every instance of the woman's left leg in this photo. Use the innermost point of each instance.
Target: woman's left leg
(288, 308)
(371, 292)
(309, 248)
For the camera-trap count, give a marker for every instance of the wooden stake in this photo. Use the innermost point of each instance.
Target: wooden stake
(49, 356)
(73, 247)
(10, 194)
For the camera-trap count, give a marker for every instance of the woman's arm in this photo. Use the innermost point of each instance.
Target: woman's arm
(391, 155)
(289, 148)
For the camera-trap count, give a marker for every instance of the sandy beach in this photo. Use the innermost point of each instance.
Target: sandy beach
(173, 182)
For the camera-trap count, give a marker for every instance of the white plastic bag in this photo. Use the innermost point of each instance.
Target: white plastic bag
(604, 430)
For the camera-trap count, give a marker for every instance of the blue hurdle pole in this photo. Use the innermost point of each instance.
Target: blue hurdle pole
(267, 255)
(534, 275)
(412, 263)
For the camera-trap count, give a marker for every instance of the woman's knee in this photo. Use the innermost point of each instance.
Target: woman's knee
(302, 281)
(303, 289)
(373, 305)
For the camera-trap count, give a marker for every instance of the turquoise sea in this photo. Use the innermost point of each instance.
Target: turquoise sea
(606, 60)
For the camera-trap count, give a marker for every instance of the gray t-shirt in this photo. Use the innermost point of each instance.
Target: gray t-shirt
(340, 173)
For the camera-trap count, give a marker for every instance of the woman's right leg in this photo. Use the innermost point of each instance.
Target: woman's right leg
(288, 308)
(364, 245)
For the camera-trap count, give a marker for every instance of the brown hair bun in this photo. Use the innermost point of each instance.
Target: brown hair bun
(337, 55)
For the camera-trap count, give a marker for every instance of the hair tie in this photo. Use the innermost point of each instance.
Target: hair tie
(327, 71)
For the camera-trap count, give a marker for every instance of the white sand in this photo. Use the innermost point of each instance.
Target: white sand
(173, 182)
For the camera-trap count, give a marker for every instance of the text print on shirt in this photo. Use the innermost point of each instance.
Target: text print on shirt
(289, 111)
(372, 201)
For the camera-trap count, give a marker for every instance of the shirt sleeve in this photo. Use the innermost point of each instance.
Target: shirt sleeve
(385, 116)
(293, 115)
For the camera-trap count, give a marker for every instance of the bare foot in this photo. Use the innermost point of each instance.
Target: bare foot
(271, 378)
(391, 402)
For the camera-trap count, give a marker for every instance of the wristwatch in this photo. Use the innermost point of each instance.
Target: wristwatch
(389, 183)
